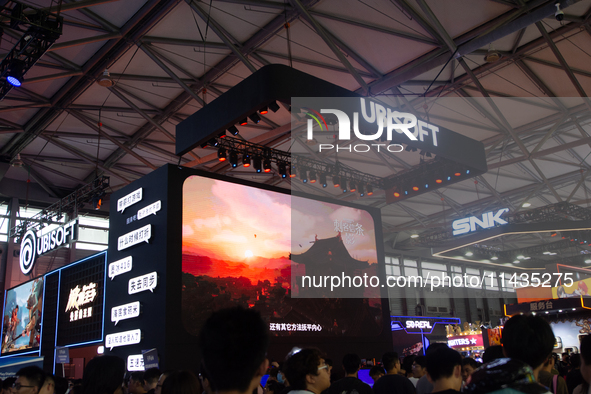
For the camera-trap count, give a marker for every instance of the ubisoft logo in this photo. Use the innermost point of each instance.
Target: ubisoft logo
(27, 255)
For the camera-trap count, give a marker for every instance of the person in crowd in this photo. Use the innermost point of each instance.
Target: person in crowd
(29, 380)
(350, 384)
(328, 362)
(274, 387)
(419, 368)
(151, 376)
(585, 366)
(492, 353)
(181, 382)
(527, 342)
(407, 368)
(548, 378)
(48, 385)
(7, 385)
(234, 344)
(160, 382)
(574, 376)
(306, 370)
(135, 384)
(376, 372)
(61, 385)
(104, 375)
(469, 365)
(424, 385)
(444, 368)
(392, 383)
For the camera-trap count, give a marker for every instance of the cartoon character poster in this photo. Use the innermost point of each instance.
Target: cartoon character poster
(576, 289)
(21, 329)
(238, 243)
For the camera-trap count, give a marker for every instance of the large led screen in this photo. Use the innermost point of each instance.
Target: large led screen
(23, 307)
(239, 246)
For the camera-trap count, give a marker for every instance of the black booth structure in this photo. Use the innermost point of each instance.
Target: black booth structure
(184, 243)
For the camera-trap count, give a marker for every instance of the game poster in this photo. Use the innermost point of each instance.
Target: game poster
(21, 329)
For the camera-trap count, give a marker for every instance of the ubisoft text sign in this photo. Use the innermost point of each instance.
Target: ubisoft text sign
(373, 114)
(34, 245)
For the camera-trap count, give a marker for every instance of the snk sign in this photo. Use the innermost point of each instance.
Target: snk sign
(489, 219)
(34, 244)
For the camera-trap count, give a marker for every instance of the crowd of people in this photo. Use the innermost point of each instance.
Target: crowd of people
(234, 344)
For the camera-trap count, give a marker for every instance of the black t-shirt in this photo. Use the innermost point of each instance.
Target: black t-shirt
(393, 384)
(349, 385)
(448, 391)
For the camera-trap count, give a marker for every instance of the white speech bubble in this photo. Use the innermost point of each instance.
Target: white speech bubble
(124, 338)
(143, 283)
(135, 237)
(135, 362)
(120, 267)
(149, 210)
(127, 311)
(132, 198)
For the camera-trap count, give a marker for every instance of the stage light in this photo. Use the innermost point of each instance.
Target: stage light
(438, 180)
(304, 175)
(312, 176)
(263, 111)
(245, 160)
(257, 163)
(292, 172)
(426, 185)
(494, 258)
(414, 235)
(336, 181)
(369, 190)
(274, 106)
(322, 177)
(213, 142)
(361, 190)
(96, 202)
(396, 194)
(458, 174)
(243, 122)
(526, 204)
(352, 186)
(467, 172)
(255, 118)
(15, 75)
(448, 178)
(267, 165)
(415, 188)
(233, 130)
(469, 254)
(222, 154)
(282, 170)
(344, 186)
(234, 159)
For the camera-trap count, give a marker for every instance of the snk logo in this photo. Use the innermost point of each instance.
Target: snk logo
(377, 113)
(466, 225)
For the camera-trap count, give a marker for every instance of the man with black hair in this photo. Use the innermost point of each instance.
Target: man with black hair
(419, 367)
(29, 380)
(350, 384)
(392, 383)
(574, 376)
(376, 372)
(151, 376)
(424, 385)
(585, 365)
(469, 365)
(527, 341)
(135, 384)
(234, 344)
(444, 368)
(48, 385)
(306, 371)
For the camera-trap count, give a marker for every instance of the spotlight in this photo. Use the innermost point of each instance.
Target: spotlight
(526, 205)
(234, 159)
(282, 170)
(312, 176)
(336, 181)
(274, 106)
(369, 190)
(352, 186)
(222, 154)
(469, 254)
(264, 111)
(233, 130)
(494, 258)
(292, 172)
(245, 160)
(344, 186)
(255, 118)
(213, 142)
(96, 202)
(458, 174)
(415, 235)
(438, 180)
(415, 188)
(396, 194)
(361, 189)
(267, 165)
(257, 164)
(243, 122)
(322, 177)
(15, 75)
(304, 175)
(559, 14)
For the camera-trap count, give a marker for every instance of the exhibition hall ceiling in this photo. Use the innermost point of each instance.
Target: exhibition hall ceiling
(106, 97)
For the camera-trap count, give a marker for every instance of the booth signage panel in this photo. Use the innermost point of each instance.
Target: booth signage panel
(123, 338)
(488, 220)
(62, 355)
(463, 341)
(135, 362)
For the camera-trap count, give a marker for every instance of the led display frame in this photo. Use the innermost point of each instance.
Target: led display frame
(28, 295)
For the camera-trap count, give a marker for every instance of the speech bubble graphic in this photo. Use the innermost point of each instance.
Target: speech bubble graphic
(135, 237)
(135, 362)
(149, 210)
(123, 338)
(126, 311)
(132, 198)
(120, 266)
(143, 283)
